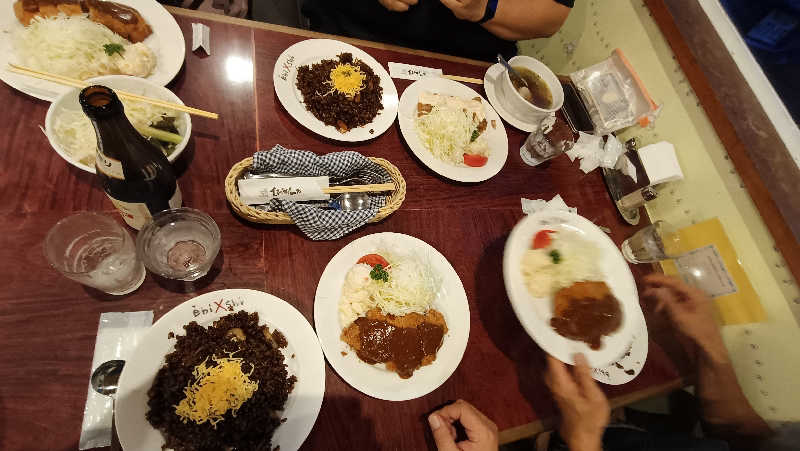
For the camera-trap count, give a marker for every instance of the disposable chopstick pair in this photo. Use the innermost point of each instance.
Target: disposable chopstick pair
(359, 188)
(476, 81)
(60, 79)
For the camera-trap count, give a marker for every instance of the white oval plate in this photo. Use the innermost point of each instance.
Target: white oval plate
(375, 380)
(135, 85)
(166, 42)
(630, 364)
(497, 138)
(491, 84)
(311, 51)
(304, 402)
(535, 313)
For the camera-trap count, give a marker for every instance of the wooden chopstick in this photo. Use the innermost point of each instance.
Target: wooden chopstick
(359, 188)
(60, 79)
(476, 81)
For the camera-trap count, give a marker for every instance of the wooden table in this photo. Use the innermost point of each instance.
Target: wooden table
(48, 323)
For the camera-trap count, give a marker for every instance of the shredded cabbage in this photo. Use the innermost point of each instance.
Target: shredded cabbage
(446, 132)
(75, 134)
(72, 46)
(412, 287)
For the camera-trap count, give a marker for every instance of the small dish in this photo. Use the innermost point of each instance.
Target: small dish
(134, 85)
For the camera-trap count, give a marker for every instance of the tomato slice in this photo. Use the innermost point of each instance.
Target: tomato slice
(542, 239)
(475, 160)
(373, 259)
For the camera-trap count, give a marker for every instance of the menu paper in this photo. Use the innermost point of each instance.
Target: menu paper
(710, 263)
(261, 191)
(411, 72)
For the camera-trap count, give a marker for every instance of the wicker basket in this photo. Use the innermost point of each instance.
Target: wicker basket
(249, 213)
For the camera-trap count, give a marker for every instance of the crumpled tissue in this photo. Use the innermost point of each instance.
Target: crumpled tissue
(556, 203)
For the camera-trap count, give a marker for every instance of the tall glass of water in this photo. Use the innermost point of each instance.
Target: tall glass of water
(656, 242)
(95, 250)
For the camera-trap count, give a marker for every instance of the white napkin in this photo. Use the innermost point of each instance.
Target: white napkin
(660, 162)
(556, 203)
(201, 37)
(611, 152)
(117, 336)
(588, 149)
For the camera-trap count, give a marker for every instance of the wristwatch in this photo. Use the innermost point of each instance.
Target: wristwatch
(491, 8)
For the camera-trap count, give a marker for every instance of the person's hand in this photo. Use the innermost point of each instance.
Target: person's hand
(689, 309)
(584, 408)
(398, 5)
(481, 431)
(471, 10)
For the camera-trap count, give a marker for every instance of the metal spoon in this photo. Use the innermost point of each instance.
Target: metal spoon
(105, 380)
(106, 376)
(525, 90)
(353, 201)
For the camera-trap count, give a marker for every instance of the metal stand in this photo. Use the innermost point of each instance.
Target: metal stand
(628, 195)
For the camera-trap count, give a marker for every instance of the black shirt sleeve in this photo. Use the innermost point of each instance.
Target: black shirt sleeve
(568, 3)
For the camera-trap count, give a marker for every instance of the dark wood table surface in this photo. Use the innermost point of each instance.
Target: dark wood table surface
(48, 323)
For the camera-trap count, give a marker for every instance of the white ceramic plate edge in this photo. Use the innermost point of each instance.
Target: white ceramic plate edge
(497, 137)
(620, 281)
(490, 85)
(303, 404)
(312, 51)
(167, 42)
(374, 380)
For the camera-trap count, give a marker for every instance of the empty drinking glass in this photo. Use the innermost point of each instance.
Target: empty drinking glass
(95, 250)
(179, 244)
(656, 242)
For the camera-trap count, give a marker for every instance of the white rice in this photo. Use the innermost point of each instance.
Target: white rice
(578, 262)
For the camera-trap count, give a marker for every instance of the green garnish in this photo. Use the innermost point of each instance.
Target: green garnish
(475, 134)
(556, 256)
(111, 49)
(378, 273)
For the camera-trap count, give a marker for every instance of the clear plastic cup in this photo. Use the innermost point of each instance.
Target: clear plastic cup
(656, 242)
(95, 250)
(179, 244)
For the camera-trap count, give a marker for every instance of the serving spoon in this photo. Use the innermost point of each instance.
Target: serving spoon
(525, 90)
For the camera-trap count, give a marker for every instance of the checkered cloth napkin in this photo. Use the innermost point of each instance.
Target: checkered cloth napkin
(316, 223)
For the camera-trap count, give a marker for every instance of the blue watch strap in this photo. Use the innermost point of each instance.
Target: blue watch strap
(491, 9)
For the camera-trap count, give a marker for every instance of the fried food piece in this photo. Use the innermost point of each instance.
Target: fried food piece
(578, 290)
(404, 343)
(121, 19)
(26, 10)
(586, 311)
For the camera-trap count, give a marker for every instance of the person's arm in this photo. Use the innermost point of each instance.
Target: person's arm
(514, 20)
(725, 410)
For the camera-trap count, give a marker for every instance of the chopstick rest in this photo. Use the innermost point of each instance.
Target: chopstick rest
(201, 37)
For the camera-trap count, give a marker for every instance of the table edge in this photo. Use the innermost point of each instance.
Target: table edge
(515, 433)
(314, 34)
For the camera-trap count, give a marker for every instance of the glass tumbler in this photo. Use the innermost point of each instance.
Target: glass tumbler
(656, 242)
(180, 244)
(95, 250)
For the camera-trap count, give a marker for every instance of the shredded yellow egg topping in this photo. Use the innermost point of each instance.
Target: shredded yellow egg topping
(215, 391)
(347, 79)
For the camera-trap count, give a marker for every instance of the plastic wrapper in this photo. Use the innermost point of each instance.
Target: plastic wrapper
(117, 336)
(614, 95)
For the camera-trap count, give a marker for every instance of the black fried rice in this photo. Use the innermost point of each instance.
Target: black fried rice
(257, 418)
(335, 108)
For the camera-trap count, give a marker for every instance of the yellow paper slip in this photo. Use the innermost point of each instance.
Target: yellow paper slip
(711, 263)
